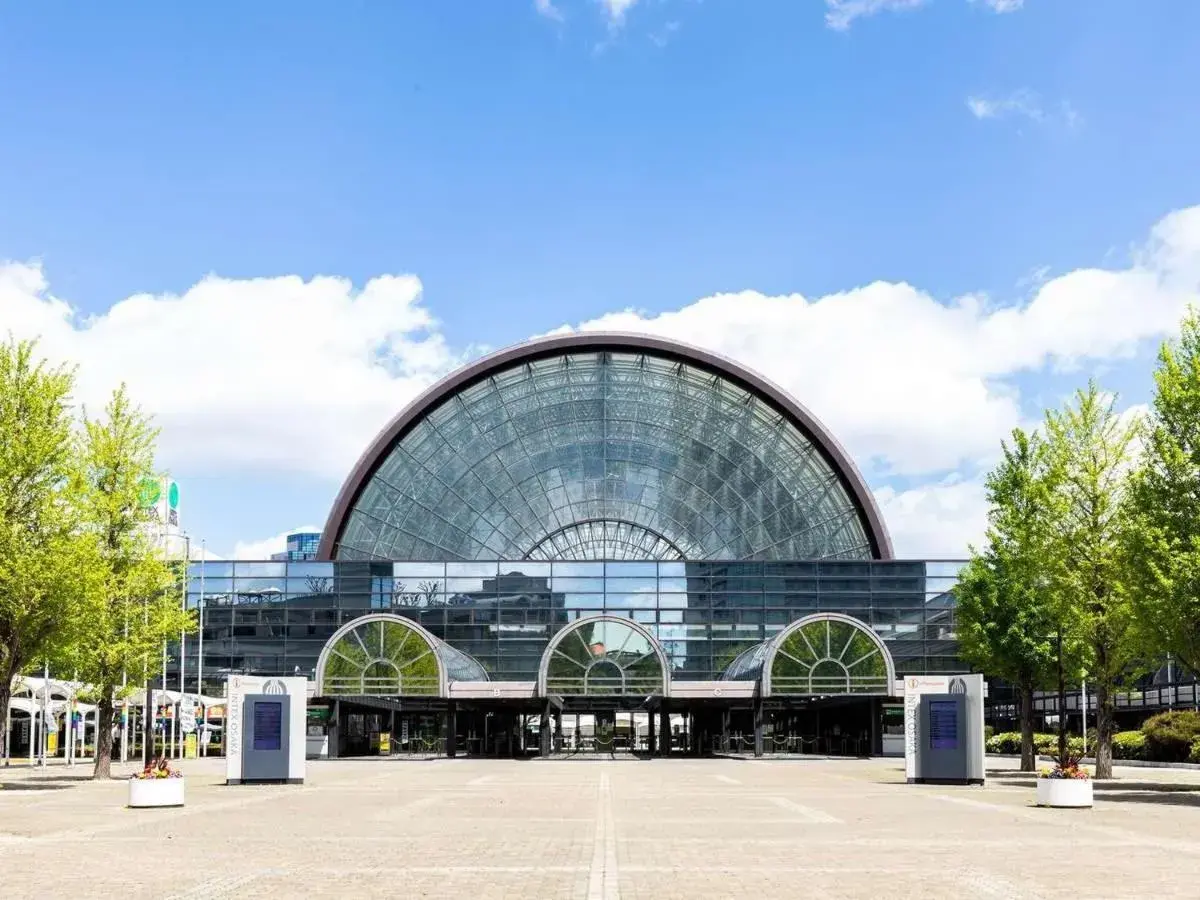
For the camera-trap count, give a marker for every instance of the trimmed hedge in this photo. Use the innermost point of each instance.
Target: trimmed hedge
(1172, 741)
(1129, 745)
(1009, 742)
(1170, 735)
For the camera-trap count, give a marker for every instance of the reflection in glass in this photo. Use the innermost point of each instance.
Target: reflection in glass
(829, 656)
(603, 657)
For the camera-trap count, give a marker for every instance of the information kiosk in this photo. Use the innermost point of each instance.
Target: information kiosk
(943, 729)
(266, 724)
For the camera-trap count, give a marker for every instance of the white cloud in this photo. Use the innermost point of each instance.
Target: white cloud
(1026, 104)
(1023, 103)
(286, 375)
(935, 521)
(548, 9)
(840, 14)
(662, 37)
(916, 386)
(616, 11)
(262, 549)
(262, 374)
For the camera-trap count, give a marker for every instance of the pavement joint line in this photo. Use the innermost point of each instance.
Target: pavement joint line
(812, 816)
(603, 878)
(226, 885)
(987, 884)
(157, 817)
(726, 779)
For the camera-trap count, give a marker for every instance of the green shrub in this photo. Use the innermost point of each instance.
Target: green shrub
(1046, 743)
(1194, 755)
(988, 731)
(1004, 742)
(1009, 742)
(1169, 735)
(1129, 745)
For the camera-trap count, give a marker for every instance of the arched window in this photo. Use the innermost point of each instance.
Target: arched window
(381, 655)
(604, 656)
(825, 654)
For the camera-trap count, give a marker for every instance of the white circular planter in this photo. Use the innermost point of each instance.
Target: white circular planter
(149, 792)
(1072, 793)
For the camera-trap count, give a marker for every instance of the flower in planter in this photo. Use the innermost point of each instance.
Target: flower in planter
(160, 768)
(1066, 768)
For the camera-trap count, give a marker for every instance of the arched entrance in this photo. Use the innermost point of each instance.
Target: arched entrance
(607, 677)
(389, 679)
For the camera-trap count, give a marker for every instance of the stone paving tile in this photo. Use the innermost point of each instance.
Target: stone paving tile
(598, 830)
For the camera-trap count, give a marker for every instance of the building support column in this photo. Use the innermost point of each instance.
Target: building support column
(451, 729)
(558, 738)
(725, 717)
(652, 735)
(664, 729)
(335, 728)
(758, 725)
(544, 730)
(876, 731)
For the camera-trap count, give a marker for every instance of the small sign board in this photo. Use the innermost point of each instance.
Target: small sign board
(187, 715)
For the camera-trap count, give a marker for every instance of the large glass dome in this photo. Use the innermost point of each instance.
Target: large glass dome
(604, 447)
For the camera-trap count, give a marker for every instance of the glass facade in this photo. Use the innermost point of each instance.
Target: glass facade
(301, 546)
(276, 617)
(590, 455)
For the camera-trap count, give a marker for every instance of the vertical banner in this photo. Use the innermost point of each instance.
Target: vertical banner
(914, 687)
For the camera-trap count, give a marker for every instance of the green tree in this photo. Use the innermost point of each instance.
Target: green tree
(1163, 537)
(1005, 615)
(1090, 455)
(137, 610)
(47, 565)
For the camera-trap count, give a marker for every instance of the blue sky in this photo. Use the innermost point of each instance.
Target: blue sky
(535, 171)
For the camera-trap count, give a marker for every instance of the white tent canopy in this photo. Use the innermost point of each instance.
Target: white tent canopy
(45, 700)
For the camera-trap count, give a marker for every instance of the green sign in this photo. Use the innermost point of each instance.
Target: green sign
(173, 495)
(150, 492)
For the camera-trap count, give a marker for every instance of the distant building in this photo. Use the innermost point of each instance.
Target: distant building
(301, 546)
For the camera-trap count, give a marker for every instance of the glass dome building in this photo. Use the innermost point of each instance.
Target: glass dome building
(647, 544)
(605, 447)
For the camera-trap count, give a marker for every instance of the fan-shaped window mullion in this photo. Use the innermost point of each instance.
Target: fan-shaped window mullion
(863, 658)
(569, 659)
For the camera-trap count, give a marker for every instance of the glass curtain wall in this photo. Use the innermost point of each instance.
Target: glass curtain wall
(275, 617)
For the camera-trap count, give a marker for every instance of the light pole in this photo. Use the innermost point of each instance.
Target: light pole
(187, 557)
(200, 640)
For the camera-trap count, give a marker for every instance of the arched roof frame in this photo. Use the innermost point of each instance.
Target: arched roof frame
(530, 351)
(774, 646)
(572, 628)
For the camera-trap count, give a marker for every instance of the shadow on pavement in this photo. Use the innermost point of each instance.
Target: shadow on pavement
(32, 786)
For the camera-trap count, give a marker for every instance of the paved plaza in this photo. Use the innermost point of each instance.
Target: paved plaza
(598, 829)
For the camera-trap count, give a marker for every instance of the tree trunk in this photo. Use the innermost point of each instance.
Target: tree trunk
(6, 679)
(1104, 730)
(1028, 751)
(104, 721)
(5, 698)
(1062, 706)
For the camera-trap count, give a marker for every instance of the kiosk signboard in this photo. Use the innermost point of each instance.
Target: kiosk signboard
(265, 729)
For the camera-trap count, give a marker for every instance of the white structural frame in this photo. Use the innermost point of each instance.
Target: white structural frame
(638, 627)
(430, 639)
(777, 642)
